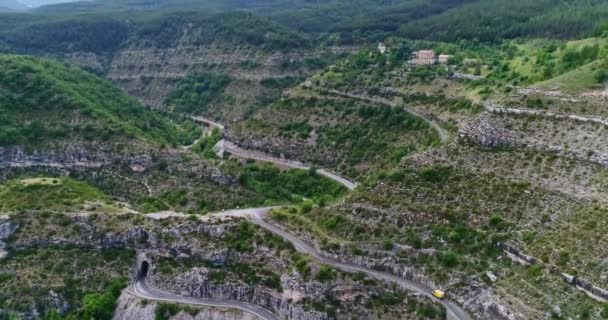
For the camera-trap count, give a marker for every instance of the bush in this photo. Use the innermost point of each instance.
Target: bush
(333, 222)
(604, 312)
(325, 274)
(535, 270)
(601, 75)
(307, 206)
(205, 144)
(449, 259)
(435, 174)
(301, 264)
(240, 238)
(101, 306)
(388, 245)
(165, 310)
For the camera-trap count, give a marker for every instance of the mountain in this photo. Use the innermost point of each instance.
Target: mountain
(11, 5)
(39, 3)
(45, 103)
(445, 145)
(485, 20)
(147, 54)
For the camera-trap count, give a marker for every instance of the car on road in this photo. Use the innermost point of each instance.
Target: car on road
(439, 294)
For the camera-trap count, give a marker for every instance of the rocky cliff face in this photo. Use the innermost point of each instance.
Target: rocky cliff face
(150, 74)
(116, 232)
(72, 156)
(186, 239)
(182, 251)
(478, 298)
(7, 228)
(196, 283)
(568, 137)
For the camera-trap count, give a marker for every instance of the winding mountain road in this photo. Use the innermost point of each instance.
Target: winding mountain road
(257, 215)
(209, 122)
(142, 290)
(239, 152)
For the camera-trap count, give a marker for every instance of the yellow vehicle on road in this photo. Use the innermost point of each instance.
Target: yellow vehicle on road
(438, 294)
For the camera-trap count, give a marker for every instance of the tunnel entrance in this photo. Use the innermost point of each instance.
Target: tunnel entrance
(143, 270)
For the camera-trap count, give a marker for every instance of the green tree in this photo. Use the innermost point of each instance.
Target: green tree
(100, 306)
(601, 75)
(325, 274)
(604, 312)
(449, 259)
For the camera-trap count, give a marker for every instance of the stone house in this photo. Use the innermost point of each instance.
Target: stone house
(382, 48)
(423, 58)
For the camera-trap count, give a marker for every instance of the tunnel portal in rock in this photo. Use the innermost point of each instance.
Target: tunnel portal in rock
(143, 269)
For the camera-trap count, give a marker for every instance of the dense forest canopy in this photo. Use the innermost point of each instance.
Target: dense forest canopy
(73, 26)
(104, 34)
(42, 99)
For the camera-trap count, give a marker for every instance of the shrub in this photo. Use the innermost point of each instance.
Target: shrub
(601, 75)
(604, 312)
(301, 264)
(449, 259)
(325, 273)
(435, 174)
(535, 270)
(101, 306)
(388, 245)
(205, 144)
(307, 206)
(165, 310)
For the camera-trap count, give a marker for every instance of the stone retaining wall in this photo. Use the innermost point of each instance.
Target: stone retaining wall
(584, 285)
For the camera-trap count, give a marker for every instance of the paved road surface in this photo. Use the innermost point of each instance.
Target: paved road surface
(239, 152)
(257, 216)
(255, 155)
(209, 122)
(142, 290)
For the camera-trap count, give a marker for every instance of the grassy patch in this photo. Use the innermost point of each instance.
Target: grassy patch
(59, 194)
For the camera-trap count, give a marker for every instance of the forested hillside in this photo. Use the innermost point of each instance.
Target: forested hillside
(44, 101)
(347, 21)
(105, 34)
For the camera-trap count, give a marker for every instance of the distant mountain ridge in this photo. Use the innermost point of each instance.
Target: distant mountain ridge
(11, 5)
(23, 5)
(368, 20)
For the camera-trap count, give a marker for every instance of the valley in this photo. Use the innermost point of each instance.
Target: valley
(406, 159)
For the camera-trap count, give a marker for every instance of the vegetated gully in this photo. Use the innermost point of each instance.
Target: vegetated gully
(256, 216)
